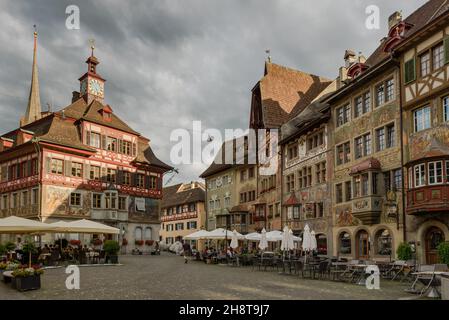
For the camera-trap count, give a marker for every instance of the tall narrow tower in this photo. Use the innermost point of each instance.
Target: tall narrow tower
(33, 111)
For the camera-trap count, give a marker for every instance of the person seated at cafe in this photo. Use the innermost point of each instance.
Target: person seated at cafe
(230, 252)
(45, 249)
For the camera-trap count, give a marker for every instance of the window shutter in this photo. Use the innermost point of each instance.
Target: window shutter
(29, 168)
(103, 142)
(159, 183)
(120, 146)
(147, 182)
(119, 176)
(134, 179)
(88, 138)
(446, 49)
(410, 70)
(86, 169)
(48, 164)
(134, 151)
(67, 168)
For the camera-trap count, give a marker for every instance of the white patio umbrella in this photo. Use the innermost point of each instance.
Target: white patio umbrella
(314, 244)
(284, 243)
(263, 244)
(83, 226)
(274, 236)
(234, 241)
(254, 236)
(306, 241)
(19, 225)
(291, 245)
(221, 234)
(198, 235)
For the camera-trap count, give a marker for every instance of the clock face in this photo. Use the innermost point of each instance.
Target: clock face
(95, 87)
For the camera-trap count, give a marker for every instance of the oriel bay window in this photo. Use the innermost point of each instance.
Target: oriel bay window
(435, 172)
(420, 175)
(96, 200)
(361, 185)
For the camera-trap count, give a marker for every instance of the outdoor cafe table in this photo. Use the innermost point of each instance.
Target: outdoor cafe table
(433, 292)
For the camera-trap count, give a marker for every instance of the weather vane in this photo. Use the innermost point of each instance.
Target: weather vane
(35, 29)
(268, 52)
(92, 45)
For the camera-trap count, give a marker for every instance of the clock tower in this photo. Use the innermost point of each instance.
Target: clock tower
(91, 83)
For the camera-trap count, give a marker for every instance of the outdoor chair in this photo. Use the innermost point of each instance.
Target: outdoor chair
(397, 269)
(425, 279)
(350, 270)
(323, 269)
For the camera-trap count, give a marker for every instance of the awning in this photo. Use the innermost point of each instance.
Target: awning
(221, 234)
(240, 208)
(369, 164)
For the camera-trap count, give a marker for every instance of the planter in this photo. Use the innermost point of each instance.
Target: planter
(26, 283)
(444, 288)
(112, 259)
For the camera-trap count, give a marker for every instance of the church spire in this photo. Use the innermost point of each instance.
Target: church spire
(33, 111)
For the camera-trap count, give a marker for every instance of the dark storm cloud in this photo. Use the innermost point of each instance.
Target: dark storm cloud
(170, 62)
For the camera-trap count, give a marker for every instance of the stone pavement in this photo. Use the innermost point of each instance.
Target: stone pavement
(167, 277)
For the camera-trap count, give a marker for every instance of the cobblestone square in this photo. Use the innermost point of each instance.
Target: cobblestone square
(167, 277)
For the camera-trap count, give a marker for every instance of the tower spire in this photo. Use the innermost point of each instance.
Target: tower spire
(34, 110)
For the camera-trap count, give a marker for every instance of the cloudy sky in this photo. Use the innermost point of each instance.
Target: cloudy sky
(168, 63)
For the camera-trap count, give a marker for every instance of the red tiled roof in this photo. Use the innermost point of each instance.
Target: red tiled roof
(286, 92)
(173, 196)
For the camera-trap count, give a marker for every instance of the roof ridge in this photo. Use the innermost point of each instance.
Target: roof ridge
(299, 71)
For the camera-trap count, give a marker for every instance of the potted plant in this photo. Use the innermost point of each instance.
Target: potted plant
(27, 278)
(404, 251)
(139, 243)
(149, 242)
(443, 252)
(111, 249)
(30, 249)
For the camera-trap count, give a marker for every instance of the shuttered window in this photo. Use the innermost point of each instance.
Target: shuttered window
(410, 70)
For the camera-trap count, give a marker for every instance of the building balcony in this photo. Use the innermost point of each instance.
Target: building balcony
(432, 198)
(368, 209)
(179, 216)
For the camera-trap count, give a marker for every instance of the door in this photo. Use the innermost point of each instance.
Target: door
(362, 242)
(434, 237)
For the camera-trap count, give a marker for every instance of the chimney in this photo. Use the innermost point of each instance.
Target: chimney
(394, 19)
(349, 57)
(342, 77)
(75, 96)
(192, 185)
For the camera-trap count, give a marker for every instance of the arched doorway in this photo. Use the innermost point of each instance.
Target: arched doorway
(321, 241)
(362, 245)
(434, 236)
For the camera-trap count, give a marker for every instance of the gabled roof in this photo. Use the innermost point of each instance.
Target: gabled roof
(79, 110)
(286, 92)
(418, 19)
(54, 130)
(175, 195)
(146, 155)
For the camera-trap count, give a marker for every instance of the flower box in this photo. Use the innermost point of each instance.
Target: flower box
(139, 242)
(149, 242)
(26, 283)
